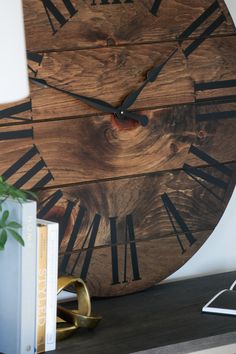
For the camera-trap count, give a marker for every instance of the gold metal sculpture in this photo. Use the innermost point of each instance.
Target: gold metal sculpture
(69, 320)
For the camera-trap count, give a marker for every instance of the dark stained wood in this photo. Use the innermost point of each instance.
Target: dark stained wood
(120, 24)
(95, 148)
(152, 260)
(112, 73)
(115, 169)
(159, 252)
(164, 315)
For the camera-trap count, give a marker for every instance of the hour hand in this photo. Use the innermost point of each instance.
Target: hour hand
(151, 76)
(92, 102)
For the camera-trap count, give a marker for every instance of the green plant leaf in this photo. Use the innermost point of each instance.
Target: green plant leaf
(31, 194)
(13, 225)
(16, 236)
(5, 216)
(3, 238)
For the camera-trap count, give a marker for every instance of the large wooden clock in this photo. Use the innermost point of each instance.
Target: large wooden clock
(129, 136)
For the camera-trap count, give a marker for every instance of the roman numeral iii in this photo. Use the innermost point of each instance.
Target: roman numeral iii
(55, 15)
(197, 23)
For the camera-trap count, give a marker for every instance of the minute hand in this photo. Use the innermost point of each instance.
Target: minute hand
(93, 102)
(151, 76)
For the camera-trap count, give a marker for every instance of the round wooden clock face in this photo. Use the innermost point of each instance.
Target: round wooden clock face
(136, 157)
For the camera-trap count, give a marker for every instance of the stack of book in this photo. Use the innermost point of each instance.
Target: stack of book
(28, 292)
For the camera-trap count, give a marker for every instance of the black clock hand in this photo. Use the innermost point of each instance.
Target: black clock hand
(93, 102)
(152, 75)
(96, 103)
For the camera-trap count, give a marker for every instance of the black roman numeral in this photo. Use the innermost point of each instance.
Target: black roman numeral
(206, 33)
(34, 59)
(197, 173)
(111, 2)
(90, 238)
(73, 237)
(13, 111)
(18, 134)
(215, 85)
(155, 7)
(129, 239)
(65, 220)
(38, 166)
(47, 204)
(54, 13)
(174, 214)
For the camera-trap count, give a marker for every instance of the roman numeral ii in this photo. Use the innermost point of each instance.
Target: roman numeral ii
(197, 23)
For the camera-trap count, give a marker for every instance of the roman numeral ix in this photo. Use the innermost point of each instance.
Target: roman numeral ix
(197, 23)
(54, 14)
(198, 173)
(174, 214)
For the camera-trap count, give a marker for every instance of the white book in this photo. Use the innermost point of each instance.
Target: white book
(18, 282)
(224, 302)
(52, 274)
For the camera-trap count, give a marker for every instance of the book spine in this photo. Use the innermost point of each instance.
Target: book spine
(10, 290)
(41, 288)
(28, 278)
(52, 266)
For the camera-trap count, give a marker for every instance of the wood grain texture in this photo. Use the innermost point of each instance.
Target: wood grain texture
(141, 197)
(114, 24)
(107, 169)
(95, 148)
(112, 73)
(152, 260)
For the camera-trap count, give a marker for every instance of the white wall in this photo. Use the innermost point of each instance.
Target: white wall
(218, 254)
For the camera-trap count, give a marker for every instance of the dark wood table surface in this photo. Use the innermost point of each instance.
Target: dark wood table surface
(163, 315)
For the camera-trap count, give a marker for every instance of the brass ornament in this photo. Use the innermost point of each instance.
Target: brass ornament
(69, 320)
